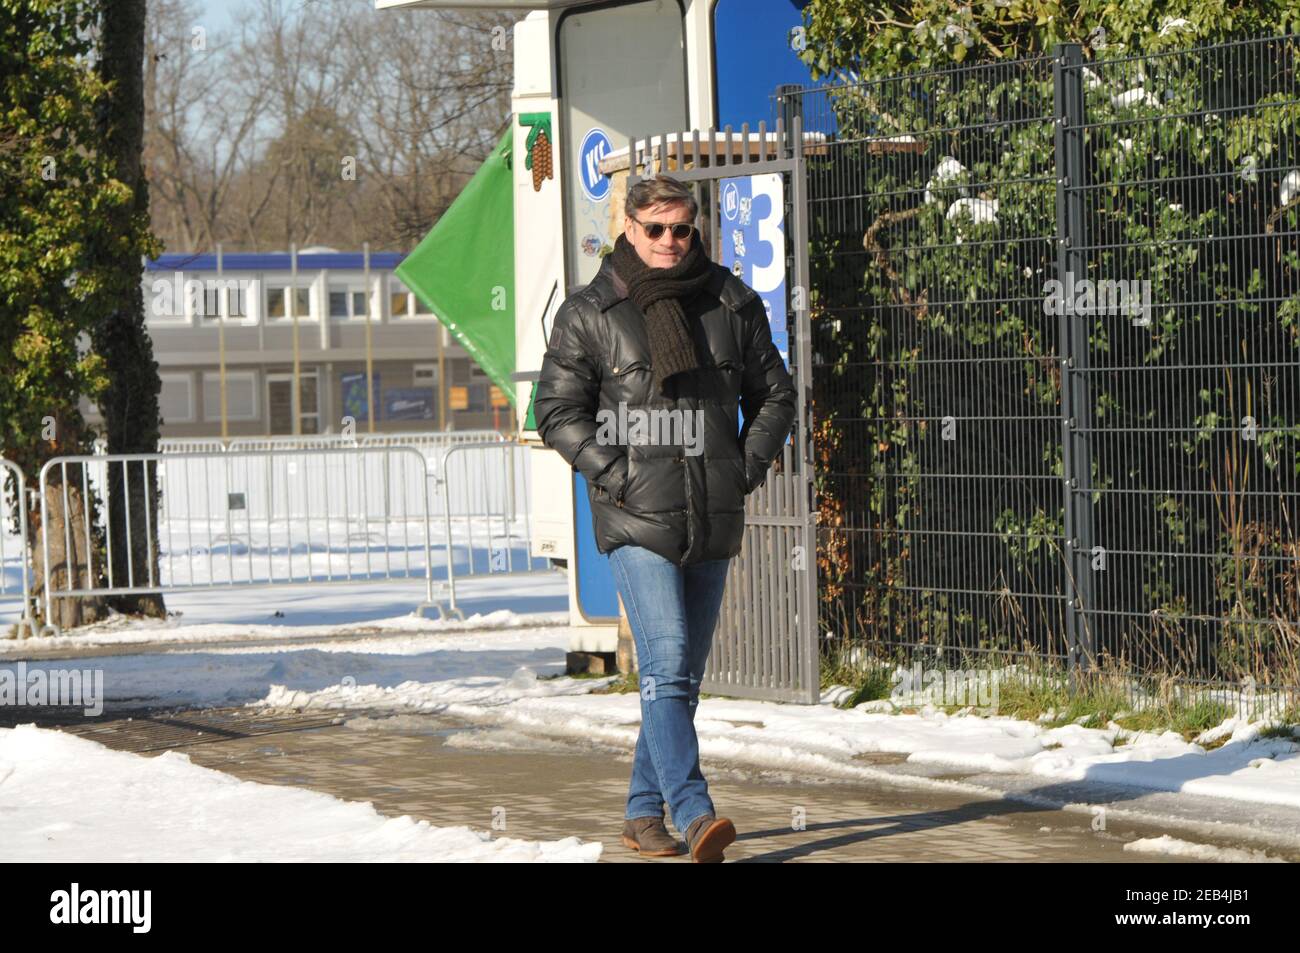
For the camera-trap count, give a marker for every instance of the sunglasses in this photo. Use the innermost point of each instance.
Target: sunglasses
(653, 230)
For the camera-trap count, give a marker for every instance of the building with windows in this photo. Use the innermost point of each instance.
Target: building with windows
(250, 308)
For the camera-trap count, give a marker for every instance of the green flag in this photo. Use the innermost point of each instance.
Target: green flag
(464, 269)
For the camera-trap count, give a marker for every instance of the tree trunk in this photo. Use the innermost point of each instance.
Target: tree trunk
(69, 556)
(130, 404)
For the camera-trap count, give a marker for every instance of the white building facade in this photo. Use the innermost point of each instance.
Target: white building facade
(247, 311)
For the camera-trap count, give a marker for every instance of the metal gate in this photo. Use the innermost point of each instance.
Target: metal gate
(765, 643)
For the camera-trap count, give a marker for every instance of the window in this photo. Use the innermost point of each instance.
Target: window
(209, 297)
(425, 375)
(176, 401)
(467, 386)
(643, 44)
(308, 403)
(279, 390)
(403, 302)
(237, 302)
(241, 395)
(347, 302)
(399, 299)
(277, 302)
(469, 379)
(338, 302)
(479, 383)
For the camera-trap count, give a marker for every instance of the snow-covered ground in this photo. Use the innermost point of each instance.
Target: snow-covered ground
(250, 615)
(490, 674)
(64, 798)
(489, 671)
(1192, 851)
(819, 740)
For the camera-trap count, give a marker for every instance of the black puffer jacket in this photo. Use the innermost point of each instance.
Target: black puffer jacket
(683, 497)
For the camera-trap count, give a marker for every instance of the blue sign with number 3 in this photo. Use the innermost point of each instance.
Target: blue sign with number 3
(751, 217)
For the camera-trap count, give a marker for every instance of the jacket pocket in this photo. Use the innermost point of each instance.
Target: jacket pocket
(623, 372)
(732, 374)
(731, 475)
(620, 489)
(628, 382)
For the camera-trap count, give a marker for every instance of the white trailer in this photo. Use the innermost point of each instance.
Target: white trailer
(587, 77)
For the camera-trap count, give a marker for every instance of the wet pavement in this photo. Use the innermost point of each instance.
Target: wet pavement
(450, 773)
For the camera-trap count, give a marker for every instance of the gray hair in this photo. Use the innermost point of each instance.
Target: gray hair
(662, 188)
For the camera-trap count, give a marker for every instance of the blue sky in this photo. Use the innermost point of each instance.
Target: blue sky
(220, 14)
(754, 55)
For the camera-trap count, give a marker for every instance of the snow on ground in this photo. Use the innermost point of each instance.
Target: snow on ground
(1192, 851)
(474, 664)
(491, 677)
(315, 612)
(65, 798)
(486, 671)
(824, 740)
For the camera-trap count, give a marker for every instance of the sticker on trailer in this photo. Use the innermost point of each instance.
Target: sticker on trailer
(595, 146)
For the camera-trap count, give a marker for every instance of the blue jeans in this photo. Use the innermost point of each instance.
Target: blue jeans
(672, 611)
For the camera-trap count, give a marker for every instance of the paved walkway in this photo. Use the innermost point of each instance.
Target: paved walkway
(450, 773)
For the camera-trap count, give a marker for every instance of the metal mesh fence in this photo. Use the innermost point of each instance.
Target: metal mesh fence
(1054, 318)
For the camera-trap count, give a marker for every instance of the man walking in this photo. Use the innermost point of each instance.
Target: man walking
(639, 389)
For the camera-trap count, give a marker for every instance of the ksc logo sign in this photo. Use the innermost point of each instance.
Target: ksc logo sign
(595, 146)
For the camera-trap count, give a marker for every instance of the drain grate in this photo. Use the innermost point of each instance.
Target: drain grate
(153, 731)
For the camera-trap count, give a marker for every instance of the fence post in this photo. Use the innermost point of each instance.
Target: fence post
(790, 102)
(1076, 404)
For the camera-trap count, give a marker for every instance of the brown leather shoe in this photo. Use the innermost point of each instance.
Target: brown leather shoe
(708, 836)
(649, 837)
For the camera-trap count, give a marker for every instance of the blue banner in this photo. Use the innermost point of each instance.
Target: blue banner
(353, 389)
(408, 403)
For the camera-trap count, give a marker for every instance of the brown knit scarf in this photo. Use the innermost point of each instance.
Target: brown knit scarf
(660, 293)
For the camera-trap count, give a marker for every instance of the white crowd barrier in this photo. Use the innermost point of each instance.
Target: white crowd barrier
(247, 518)
(279, 514)
(15, 567)
(482, 492)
